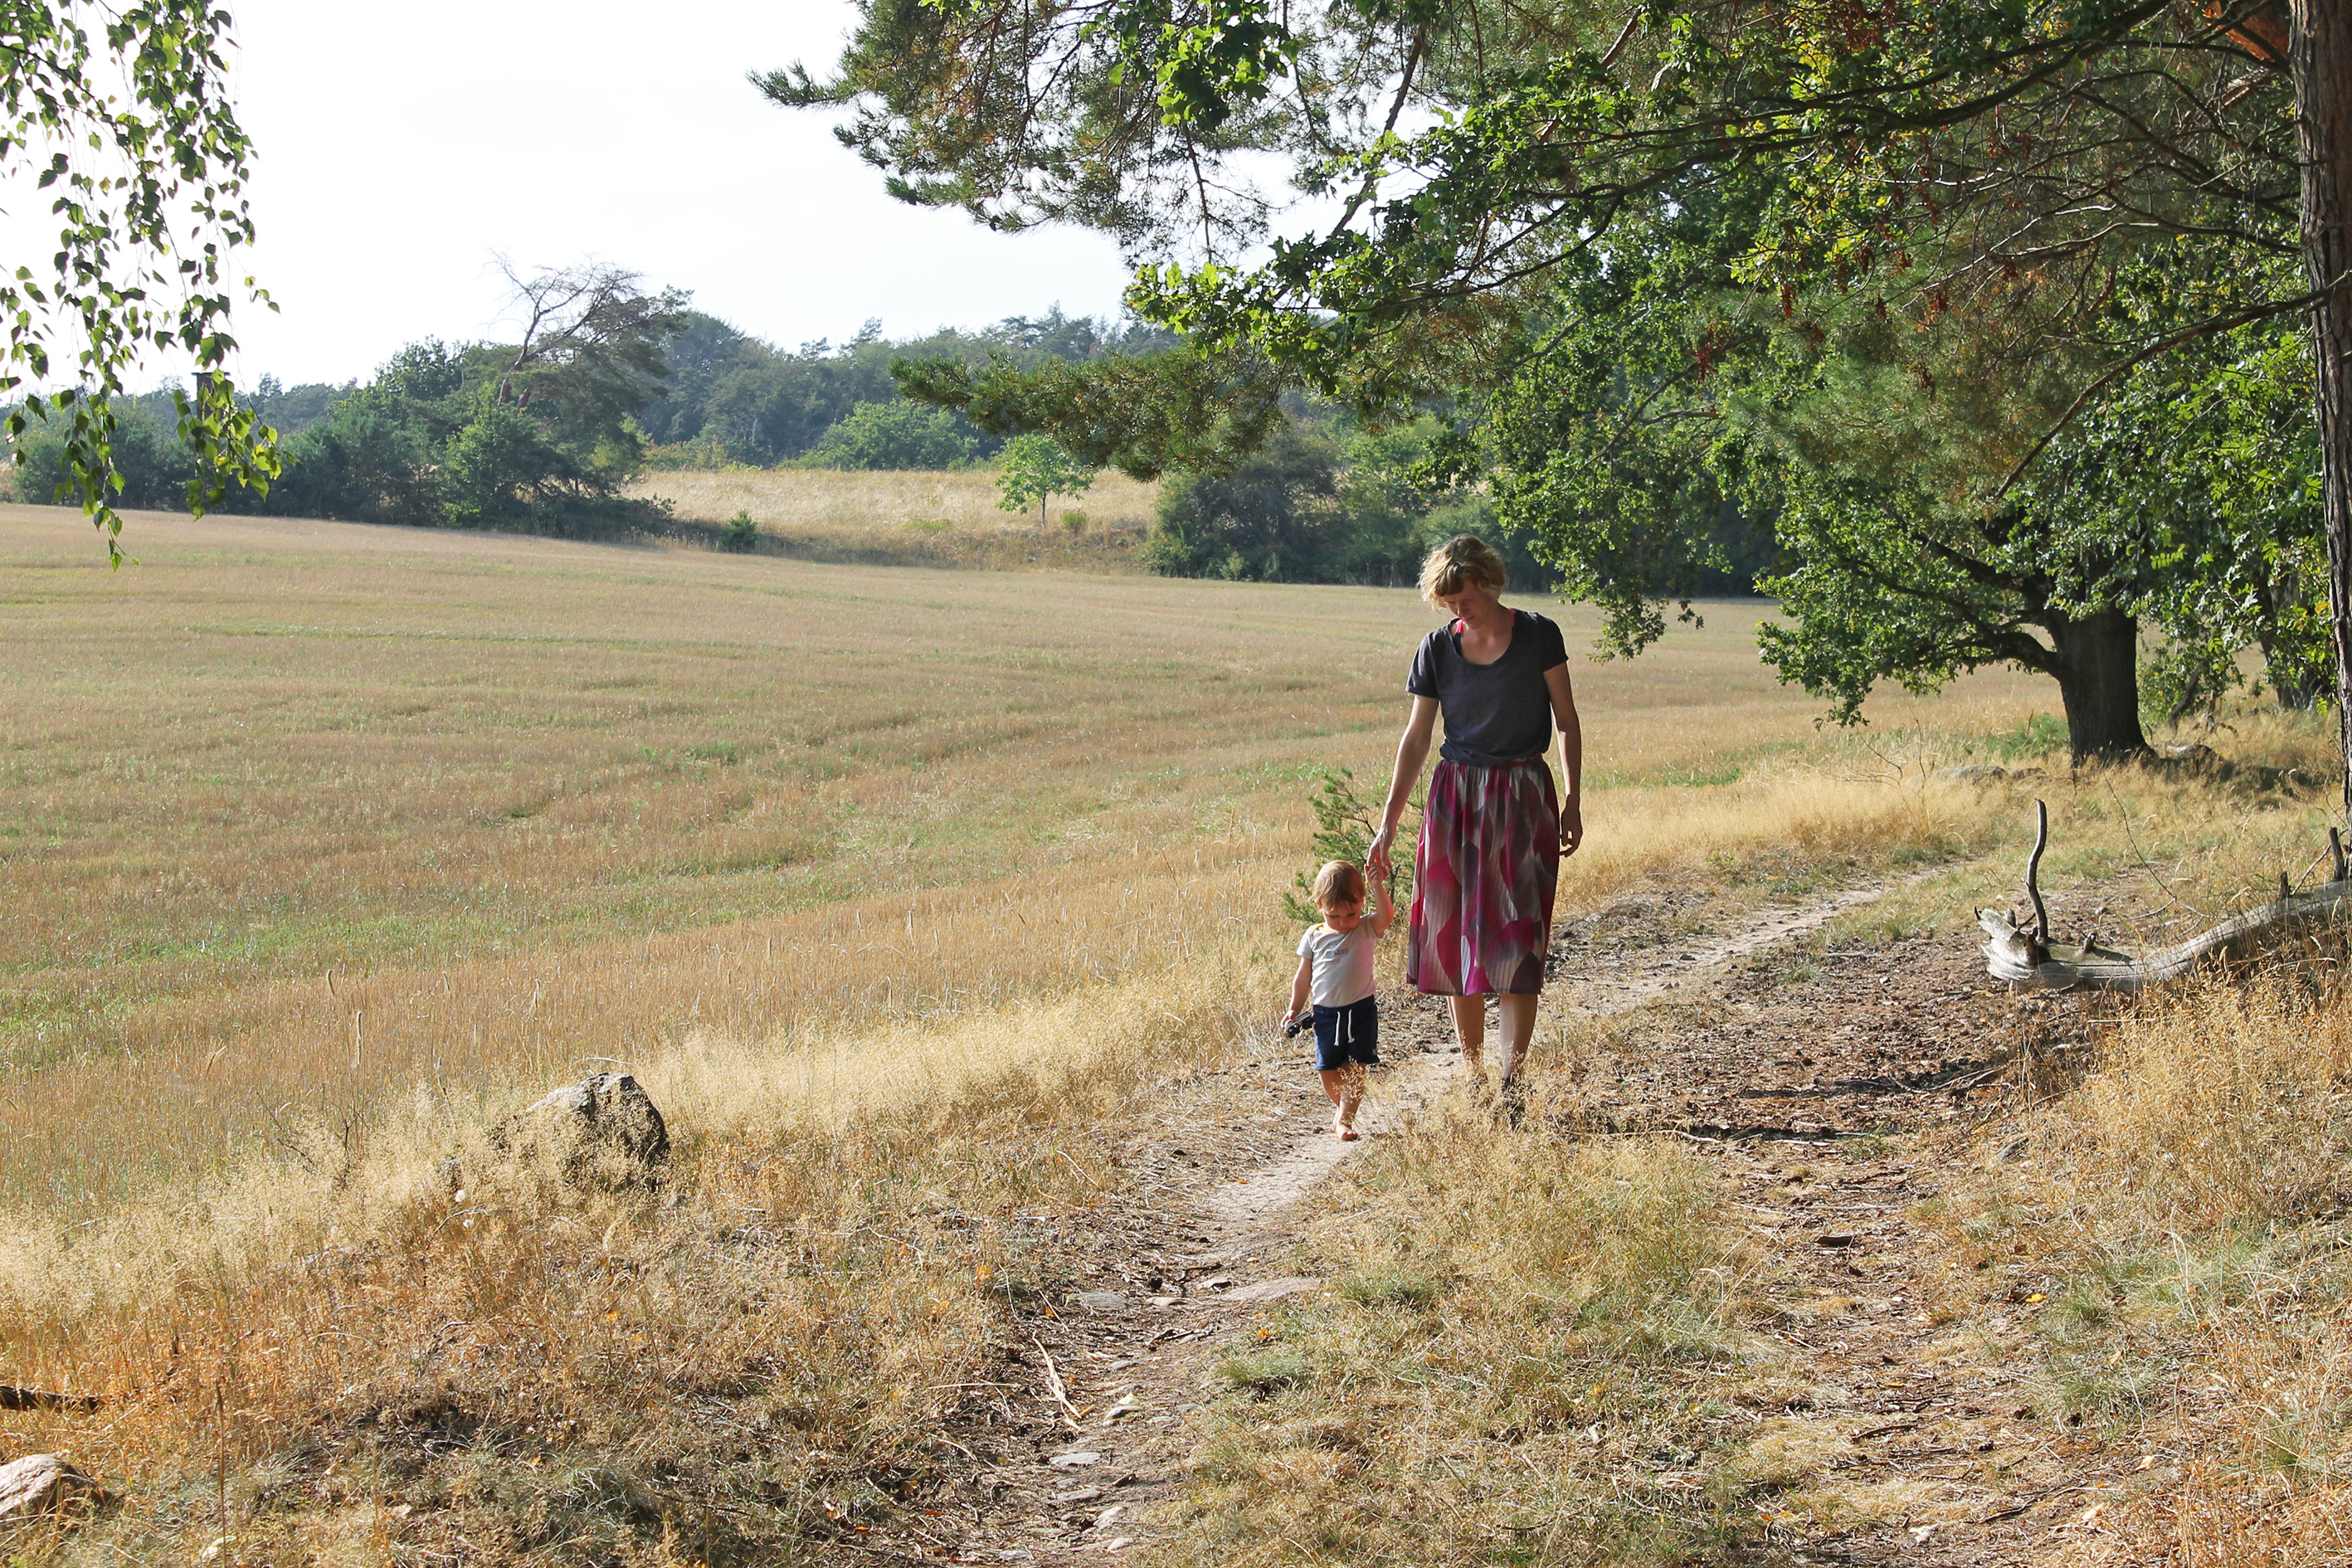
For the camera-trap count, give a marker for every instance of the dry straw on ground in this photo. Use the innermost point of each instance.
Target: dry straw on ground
(2187, 1202)
(310, 813)
(407, 1322)
(325, 845)
(914, 519)
(1522, 1324)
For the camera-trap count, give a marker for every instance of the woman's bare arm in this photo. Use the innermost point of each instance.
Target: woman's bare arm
(1571, 757)
(1413, 750)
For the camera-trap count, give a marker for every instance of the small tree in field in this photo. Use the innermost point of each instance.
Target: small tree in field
(1037, 468)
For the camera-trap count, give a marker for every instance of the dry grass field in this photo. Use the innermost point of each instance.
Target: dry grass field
(301, 814)
(889, 519)
(323, 845)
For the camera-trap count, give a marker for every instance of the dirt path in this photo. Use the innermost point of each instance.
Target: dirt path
(1082, 1440)
(1910, 1370)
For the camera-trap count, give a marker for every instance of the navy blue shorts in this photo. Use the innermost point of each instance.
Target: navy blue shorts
(1345, 1035)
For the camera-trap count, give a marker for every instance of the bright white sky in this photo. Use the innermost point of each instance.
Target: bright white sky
(401, 148)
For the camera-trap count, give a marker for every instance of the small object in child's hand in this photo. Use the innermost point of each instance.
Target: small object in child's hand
(1290, 1029)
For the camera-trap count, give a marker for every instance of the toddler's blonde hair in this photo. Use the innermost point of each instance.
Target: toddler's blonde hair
(1339, 882)
(1465, 558)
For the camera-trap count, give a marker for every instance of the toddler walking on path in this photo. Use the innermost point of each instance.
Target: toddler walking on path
(1335, 976)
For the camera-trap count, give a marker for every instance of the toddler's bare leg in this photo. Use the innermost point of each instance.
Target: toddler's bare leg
(1345, 1086)
(1470, 1030)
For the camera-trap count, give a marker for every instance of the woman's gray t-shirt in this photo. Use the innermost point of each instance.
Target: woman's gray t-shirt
(1498, 712)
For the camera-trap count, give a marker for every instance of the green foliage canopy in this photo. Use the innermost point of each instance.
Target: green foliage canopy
(1852, 271)
(894, 435)
(148, 171)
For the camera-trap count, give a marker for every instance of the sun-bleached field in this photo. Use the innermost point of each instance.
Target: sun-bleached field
(904, 891)
(304, 813)
(914, 519)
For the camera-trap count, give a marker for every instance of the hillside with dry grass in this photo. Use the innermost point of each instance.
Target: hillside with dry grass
(886, 518)
(939, 913)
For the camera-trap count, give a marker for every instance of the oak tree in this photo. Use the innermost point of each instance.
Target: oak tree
(2002, 165)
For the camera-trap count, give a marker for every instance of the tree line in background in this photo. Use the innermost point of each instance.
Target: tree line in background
(608, 380)
(604, 380)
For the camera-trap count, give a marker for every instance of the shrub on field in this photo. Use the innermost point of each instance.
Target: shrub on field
(894, 435)
(1344, 825)
(1033, 469)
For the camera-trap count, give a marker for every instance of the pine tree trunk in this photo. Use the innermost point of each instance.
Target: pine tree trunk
(2097, 661)
(2319, 52)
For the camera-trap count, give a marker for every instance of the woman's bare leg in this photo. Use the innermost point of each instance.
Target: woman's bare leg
(1518, 1011)
(1470, 1030)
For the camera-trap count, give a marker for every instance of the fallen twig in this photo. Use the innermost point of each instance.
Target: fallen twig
(1053, 1382)
(41, 1399)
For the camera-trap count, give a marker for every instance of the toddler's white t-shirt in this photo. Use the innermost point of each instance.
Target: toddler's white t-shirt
(1342, 974)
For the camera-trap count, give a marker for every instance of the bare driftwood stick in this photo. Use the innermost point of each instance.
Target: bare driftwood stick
(41, 1399)
(2034, 873)
(2028, 958)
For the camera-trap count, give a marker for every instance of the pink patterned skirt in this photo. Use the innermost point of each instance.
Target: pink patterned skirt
(1484, 877)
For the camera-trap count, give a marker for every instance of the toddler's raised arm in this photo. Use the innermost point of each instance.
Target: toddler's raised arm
(1384, 915)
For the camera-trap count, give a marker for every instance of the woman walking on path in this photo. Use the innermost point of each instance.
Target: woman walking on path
(1493, 830)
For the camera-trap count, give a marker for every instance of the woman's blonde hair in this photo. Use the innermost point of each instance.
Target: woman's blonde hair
(1465, 558)
(1339, 882)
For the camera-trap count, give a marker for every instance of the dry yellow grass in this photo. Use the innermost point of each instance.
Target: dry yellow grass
(914, 519)
(310, 812)
(324, 845)
(1530, 1344)
(2188, 1199)
(315, 1347)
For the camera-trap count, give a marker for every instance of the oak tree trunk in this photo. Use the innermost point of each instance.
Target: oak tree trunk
(2319, 53)
(2097, 661)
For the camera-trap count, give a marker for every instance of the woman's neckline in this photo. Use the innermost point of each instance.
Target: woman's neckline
(1508, 643)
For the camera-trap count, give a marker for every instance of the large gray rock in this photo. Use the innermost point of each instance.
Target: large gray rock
(605, 1128)
(41, 1484)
